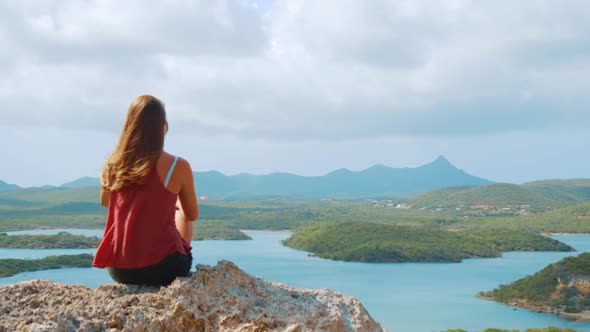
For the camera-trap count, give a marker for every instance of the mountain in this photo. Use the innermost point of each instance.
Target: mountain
(540, 195)
(379, 181)
(4, 187)
(85, 181)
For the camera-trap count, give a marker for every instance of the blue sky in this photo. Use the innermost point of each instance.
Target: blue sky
(500, 88)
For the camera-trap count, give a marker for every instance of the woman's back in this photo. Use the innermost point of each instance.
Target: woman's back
(151, 202)
(140, 229)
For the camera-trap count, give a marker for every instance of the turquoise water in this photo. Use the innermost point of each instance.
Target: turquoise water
(404, 297)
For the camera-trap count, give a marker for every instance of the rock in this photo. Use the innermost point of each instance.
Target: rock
(570, 279)
(219, 298)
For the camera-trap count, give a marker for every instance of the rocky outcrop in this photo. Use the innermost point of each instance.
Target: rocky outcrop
(571, 279)
(219, 298)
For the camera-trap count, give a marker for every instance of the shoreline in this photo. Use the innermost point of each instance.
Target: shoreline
(267, 230)
(561, 233)
(583, 316)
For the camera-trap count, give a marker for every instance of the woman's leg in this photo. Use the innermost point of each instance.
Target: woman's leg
(185, 228)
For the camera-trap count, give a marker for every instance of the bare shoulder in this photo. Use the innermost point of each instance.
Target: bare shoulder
(184, 166)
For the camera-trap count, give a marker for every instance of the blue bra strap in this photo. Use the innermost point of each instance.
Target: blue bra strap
(170, 171)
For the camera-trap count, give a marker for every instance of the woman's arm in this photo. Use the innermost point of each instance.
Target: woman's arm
(105, 196)
(187, 196)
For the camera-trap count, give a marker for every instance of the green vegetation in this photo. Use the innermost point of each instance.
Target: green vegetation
(573, 219)
(11, 266)
(216, 231)
(498, 194)
(571, 191)
(61, 240)
(35, 208)
(372, 242)
(536, 196)
(76, 208)
(557, 286)
(546, 329)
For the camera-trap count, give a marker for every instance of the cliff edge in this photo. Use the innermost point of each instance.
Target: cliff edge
(219, 298)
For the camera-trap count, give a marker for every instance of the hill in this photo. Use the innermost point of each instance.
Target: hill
(562, 286)
(373, 242)
(535, 196)
(378, 181)
(86, 181)
(569, 191)
(571, 219)
(7, 186)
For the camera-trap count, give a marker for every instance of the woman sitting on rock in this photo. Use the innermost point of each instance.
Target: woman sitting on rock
(151, 203)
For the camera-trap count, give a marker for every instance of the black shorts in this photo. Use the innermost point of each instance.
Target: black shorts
(161, 274)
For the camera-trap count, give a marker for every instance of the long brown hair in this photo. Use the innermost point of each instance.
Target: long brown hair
(139, 147)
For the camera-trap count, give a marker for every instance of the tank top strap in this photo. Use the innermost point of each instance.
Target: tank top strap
(170, 171)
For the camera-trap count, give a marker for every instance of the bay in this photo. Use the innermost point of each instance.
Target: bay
(404, 297)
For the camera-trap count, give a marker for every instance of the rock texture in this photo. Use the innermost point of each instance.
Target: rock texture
(219, 298)
(570, 279)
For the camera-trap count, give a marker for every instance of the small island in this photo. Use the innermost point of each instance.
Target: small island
(62, 240)
(216, 231)
(375, 242)
(10, 266)
(562, 288)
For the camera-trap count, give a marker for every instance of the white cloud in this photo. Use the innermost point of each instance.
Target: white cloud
(301, 70)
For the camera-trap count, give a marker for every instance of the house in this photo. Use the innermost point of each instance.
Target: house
(483, 206)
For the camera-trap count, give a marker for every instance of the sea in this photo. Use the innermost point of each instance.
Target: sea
(404, 297)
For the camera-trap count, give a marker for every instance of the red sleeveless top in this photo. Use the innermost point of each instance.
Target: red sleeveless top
(140, 228)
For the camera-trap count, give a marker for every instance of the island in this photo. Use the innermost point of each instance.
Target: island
(11, 266)
(61, 240)
(216, 231)
(376, 242)
(562, 288)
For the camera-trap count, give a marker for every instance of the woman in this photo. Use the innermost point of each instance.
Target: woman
(151, 203)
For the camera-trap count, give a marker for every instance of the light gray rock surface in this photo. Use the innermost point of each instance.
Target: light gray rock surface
(219, 298)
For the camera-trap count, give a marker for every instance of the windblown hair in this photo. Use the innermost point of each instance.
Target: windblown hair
(139, 147)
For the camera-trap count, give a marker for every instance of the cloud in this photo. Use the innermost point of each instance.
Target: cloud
(300, 69)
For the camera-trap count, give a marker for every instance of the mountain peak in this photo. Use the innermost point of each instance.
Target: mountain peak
(441, 161)
(378, 166)
(7, 186)
(85, 181)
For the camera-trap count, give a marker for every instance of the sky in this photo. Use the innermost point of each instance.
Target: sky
(500, 88)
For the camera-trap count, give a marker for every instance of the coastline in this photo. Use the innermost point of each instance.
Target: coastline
(583, 316)
(560, 233)
(267, 230)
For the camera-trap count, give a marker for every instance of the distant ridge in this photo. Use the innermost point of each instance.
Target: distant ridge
(85, 181)
(4, 187)
(378, 181)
